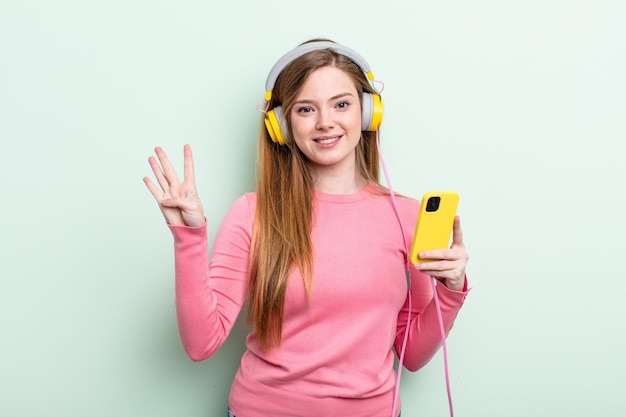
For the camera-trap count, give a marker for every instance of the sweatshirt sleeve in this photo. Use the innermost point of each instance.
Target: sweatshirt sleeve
(210, 294)
(424, 338)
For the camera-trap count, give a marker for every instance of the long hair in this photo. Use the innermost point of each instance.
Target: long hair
(281, 240)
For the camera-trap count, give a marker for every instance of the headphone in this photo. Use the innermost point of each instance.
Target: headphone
(371, 107)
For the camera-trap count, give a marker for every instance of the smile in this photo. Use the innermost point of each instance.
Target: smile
(327, 140)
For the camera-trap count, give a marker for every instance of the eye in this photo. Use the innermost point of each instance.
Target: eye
(304, 109)
(342, 104)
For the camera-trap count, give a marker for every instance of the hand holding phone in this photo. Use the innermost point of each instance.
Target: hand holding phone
(434, 223)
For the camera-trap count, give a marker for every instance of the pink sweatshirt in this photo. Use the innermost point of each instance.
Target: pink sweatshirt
(336, 355)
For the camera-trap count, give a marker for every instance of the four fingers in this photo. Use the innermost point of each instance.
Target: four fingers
(165, 173)
(178, 201)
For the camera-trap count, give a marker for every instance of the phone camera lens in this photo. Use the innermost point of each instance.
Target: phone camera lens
(433, 204)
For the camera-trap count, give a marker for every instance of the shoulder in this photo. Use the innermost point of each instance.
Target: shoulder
(407, 202)
(407, 207)
(245, 203)
(250, 199)
(241, 212)
(383, 194)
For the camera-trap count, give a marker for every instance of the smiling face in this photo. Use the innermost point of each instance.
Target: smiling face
(326, 121)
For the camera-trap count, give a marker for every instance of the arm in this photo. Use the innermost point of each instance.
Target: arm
(424, 338)
(448, 267)
(209, 295)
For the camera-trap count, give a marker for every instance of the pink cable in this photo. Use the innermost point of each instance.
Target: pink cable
(443, 344)
(260, 107)
(408, 275)
(435, 296)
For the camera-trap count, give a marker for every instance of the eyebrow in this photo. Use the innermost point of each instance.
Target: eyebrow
(335, 97)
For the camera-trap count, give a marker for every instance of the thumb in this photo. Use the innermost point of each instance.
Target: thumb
(180, 203)
(457, 233)
(168, 202)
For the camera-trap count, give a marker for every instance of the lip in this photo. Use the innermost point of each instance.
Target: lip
(327, 140)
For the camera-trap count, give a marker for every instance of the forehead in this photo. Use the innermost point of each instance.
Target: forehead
(328, 80)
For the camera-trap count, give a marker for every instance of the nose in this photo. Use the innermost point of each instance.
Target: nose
(325, 119)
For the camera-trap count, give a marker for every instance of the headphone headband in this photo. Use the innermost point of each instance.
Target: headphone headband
(310, 47)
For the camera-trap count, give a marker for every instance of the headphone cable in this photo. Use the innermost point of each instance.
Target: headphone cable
(435, 296)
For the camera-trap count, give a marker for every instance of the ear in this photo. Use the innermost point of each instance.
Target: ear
(276, 125)
(371, 112)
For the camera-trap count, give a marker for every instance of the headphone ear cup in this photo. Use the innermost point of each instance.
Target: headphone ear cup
(371, 112)
(276, 125)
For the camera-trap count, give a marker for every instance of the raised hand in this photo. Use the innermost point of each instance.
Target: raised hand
(448, 265)
(178, 201)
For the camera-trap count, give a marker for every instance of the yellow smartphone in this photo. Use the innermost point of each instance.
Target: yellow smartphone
(434, 223)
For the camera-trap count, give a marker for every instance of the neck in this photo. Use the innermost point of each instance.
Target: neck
(333, 182)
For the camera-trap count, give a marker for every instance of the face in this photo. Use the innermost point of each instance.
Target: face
(326, 121)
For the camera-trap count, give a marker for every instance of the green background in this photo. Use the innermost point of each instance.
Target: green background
(518, 105)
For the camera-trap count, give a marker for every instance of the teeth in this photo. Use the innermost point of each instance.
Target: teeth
(326, 141)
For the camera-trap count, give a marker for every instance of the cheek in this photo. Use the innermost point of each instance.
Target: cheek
(297, 133)
(356, 123)
(356, 117)
(301, 126)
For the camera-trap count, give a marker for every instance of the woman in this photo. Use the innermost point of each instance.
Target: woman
(316, 253)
